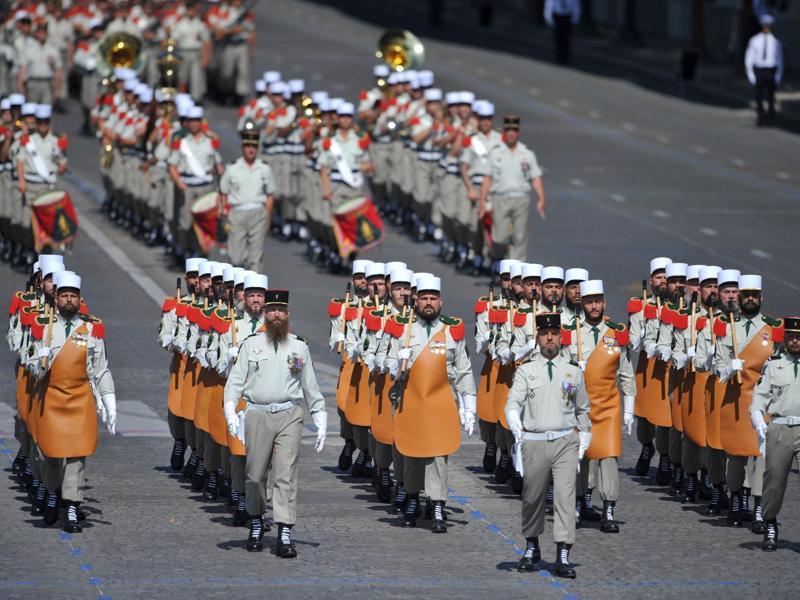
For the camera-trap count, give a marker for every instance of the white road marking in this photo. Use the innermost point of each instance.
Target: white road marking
(593, 114)
(739, 162)
(782, 175)
(577, 182)
(698, 149)
(661, 214)
(629, 127)
(663, 139)
(760, 253)
(708, 231)
(564, 103)
(534, 91)
(618, 197)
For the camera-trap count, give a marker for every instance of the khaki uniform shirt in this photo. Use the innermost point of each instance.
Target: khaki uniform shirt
(247, 184)
(548, 403)
(190, 34)
(268, 372)
(478, 162)
(202, 147)
(744, 333)
(352, 152)
(778, 391)
(513, 171)
(41, 61)
(48, 148)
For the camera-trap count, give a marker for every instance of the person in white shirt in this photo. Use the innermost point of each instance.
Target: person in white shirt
(562, 16)
(763, 63)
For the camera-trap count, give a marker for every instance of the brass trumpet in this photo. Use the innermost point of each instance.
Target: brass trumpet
(401, 50)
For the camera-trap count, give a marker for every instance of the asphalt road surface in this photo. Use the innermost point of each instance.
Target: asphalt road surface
(630, 175)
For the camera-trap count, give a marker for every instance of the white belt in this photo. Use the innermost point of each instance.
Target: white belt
(336, 176)
(476, 179)
(247, 206)
(273, 148)
(546, 436)
(383, 139)
(194, 181)
(270, 408)
(429, 155)
(785, 420)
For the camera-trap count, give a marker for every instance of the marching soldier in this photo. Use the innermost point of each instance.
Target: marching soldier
(572, 294)
(433, 391)
(248, 188)
(505, 192)
(548, 413)
(69, 360)
(40, 69)
(194, 45)
(600, 348)
(777, 397)
(273, 374)
(232, 28)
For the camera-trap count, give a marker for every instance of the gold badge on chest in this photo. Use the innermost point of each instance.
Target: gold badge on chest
(80, 340)
(438, 347)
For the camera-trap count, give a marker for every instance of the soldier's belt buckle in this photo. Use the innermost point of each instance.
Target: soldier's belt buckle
(793, 420)
(550, 436)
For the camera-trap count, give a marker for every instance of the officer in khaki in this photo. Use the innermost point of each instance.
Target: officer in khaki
(548, 413)
(248, 188)
(233, 33)
(40, 69)
(514, 171)
(194, 45)
(777, 396)
(273, 374)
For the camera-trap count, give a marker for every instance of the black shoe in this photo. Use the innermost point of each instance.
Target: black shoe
(412, 511)
(71, 524)
(608, 524)
(284, 547)
(643, 464)
(664, 472)
(677, 480)
(254, 540)
(19, 462)
(211, 492)
(532, 555)
(588, 513)
(361, 467)
(548, 500)
(490, 458)
(240, 518)
(438, 524)
(704, 492)
(346, 455)
(563, 568)
(744, 507)
(400, 499)
(190, 467)
(33, 489)
(758, 526)
(176, 459)
(690, 489)
(715, 508)
(37, 507)
(199, 479)
(734, 511)
(51, 508)
(233, 500)
(516, 483)
(503, 470)
(770, 543)
(385, 487)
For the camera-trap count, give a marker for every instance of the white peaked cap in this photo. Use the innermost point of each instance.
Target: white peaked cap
(204, 268)
(193, 264)
(393, 78)
(484, 108)
(336, 103)
(425, 78)
(693, 272)
(69, 280)
(576, 275)
(376, 268)
(592, 287)
(146, 96)
(708, 273)
(229, 273)
(750, 282)
(36, 267)
(59, 274)
(418, 276)
(318, 96)
(401, 275)
(195, 112)
(659, 263)
(256, 281)
(728, 276)
(56, 257)
(346, 109)
(428, 283)
(48, 261)
(240, 276)
(433, 95)
(278, 87)
(325, 105)
(394, 265)
(380, 70)
(451, 97)
(360, 265)
(44, 111)
(677, 269)
(260, 86)
(505, 265)
(515, 270)
(531, 270)
(271, 76)
(54, 269)
(130, 84)
(16, 99)
(296, 85)
(413, 79)
(552, 273)
(29, 109)
(5, 104)
(218, 269)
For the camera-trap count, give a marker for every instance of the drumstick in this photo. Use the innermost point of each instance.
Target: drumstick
(340, 345)
(733, 339)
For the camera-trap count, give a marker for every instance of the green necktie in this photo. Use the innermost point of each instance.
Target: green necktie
(253, 323)
(550, 370)
(596, 333)
(795, 368)
(275, 345)
(68, 327)
(428, 327)
(747, 324)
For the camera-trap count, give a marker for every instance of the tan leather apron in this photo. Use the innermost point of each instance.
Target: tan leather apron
(205, 386)
(426, 423)
(676, 378)
(176, 372)
(191, 374)
(693, 407)
(67, 417)
(486, 383)
(217, 425)
(357, 407)
(605, 405)
(652, 397)
(343, 385)
(381, 409)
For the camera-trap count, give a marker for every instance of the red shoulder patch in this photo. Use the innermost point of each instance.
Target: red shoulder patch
(720, 328)
(168, 305)
(566, 337)
(520, 319)
(667, 315)
(334, 309)
(413, 122)
(394, 329)
(83, 308)
(480, 306)
(181, 310)
(176, 143)
(634, 306)
(623, 337)
(63, 142)
(680, 321)
(98, 331)
(650, 312)
(777, 334)
(242, 110)
(700, 323)
(215, 143)
(326, 144)
(220, 325)
(498, 316)
(457, 331)
(350, 313)
(362, 95)
(24, 139)
(372, 322)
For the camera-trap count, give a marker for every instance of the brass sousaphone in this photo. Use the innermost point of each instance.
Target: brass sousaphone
(119, 49)
(401, 50)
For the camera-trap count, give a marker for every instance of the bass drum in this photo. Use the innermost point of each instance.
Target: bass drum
(210, 229)
(53, 220)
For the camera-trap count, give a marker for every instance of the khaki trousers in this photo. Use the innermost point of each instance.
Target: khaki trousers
(488, 431)
(429, 474)
(745, 471)
(246, 238)
(382, 455)
(361, 437)
(39, 91)
(717, 460)
(69, 474)
(511, 215)
(399, 462)
(783, 445)
(601, 475)
(273, 439)
(539, 459)
(191, 74)
(646, 433)
(234, 67)
(177, 426)
(690, 456)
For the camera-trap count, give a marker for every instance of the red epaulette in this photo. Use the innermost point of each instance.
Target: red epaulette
(83, 308)
(700, 323)
(466, 141)
(680, 321)
(623, 337)
(12, 310)
(520, 319)
(219, 324)
(364, 142)
(498, 315)
(362, 95)
(393, 328)
(566, 337)
(168, 305)
(720, 328)
(350, 313)
(634, 305)
(457, 331)
(334, 308)
(181, 310)
(480, 306)
(650, 312)
(667, 315)
(372, 322)
(777, 334)
(98, 330)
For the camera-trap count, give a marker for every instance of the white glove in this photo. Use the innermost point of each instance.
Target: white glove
(233, 352)
(469, 423)
(650, 349)
(352, 352)
(233, 423)
(181, 346)
(635, 342)
(504, 355)
(582, 365)
(480, 345)
(525, 350)
(470, 404)
(514, 424)
(44, 352)
(370, 363)
(110, 404)
(166, 341)
(627, 412)
(201, 358)
(321, 422)
(665, 355)
(339, 337)
(680, 361)
(585, 438)
(691, 352)
(380, 363)
(757, 418)
(403, 354)
(211, 358)
(101, 410)
(737, 364)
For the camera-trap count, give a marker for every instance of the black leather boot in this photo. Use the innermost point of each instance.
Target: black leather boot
(411, 512)
(284, 547)
(176, 458)
(240, 517)
(490, 458)
(223, 485)
(233, 499)
(400, 499)
(758, 525)
(770, 543)
(37, 507)
(645, 456)
(608, 524)
(531, 556)
(747, 515)
(588, 513)
(734, 510)
(690, 489)
(563, 568)
(254, 540)
(211, 492)
(346, 455)
(199, 479)
(664, 472)
(438, 524)
(677, 480)
(715, 507)
(704, 492)
(503, 470)
(71, 524)
(385, 486)
(190, 467)
(361, 466)
(51, 508)
(19, 462)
